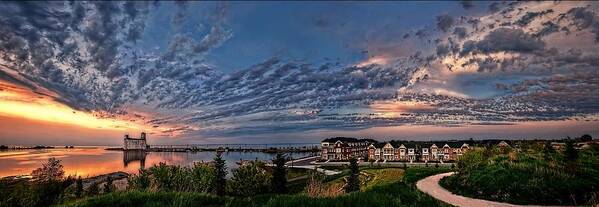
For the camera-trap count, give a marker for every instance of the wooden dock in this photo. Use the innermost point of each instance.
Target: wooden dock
(266, 148)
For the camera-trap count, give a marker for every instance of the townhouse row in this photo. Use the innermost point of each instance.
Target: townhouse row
(343, 148)
(413, 152)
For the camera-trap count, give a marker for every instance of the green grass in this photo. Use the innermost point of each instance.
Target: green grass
(296, 172)
(385, 190)
(382, 176)
(139, 198)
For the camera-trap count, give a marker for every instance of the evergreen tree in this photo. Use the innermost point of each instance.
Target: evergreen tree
(78, 187)
(353, 181)
(571, 153)
(220, 173)
(279, 175)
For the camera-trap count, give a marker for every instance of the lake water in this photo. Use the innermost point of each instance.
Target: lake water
(91, 161)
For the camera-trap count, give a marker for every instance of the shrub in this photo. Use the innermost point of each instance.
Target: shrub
(78, 187)
(93, 189)
(203, 176)
(141, 181)
(170, 177)
(249, 180)
(315, 187)
(108, 186)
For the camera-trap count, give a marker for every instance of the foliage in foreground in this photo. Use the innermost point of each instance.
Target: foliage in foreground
(532, 176)
(163, 177)
(47, 186)
(399, 193)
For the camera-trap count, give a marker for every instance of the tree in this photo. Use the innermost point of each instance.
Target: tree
(353, 180)
(279, 175)
(249, 180)
(51, 170)
(48, 186)
(108, 186)
(571, 152)
(586, 138)
(220, 173)
(78, 187)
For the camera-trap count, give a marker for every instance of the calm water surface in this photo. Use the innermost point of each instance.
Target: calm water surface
(91, 161)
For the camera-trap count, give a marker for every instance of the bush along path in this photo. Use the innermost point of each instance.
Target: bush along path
(430, 185)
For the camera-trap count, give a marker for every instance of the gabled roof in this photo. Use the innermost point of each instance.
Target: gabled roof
(377, 145)
(385, 144)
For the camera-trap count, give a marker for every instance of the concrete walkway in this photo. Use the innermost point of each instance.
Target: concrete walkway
(430, 185)
(305, 163)
(311, 167)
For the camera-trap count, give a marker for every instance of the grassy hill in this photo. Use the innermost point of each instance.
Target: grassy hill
(528, 176)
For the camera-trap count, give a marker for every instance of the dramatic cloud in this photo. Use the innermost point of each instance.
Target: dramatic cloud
(207, 70)
(444, 22)
(505, 39)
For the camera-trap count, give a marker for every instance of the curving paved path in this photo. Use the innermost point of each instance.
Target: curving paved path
(430, 185)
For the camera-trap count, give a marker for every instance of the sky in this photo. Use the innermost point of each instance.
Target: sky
(86, 73)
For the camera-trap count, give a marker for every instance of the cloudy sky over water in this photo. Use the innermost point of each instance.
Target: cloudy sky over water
(263, 72)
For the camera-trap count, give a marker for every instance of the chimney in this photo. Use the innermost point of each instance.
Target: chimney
(126, 136)
(143, 135)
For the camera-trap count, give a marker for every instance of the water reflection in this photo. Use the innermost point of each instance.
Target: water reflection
(90, 161)
(133, 156)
